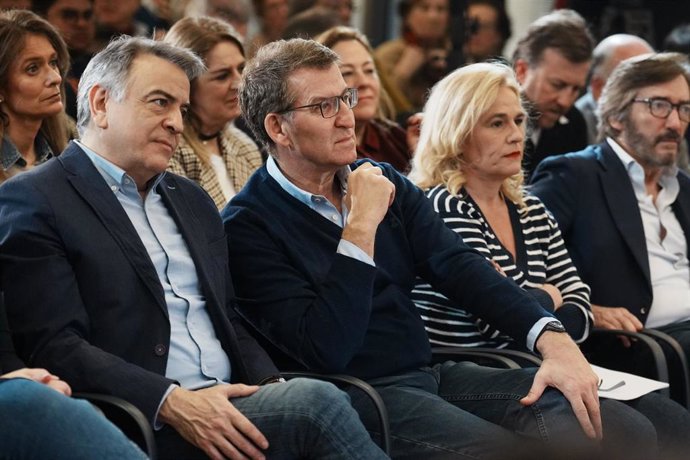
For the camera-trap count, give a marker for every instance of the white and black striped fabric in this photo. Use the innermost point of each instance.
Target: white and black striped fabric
(541, 258)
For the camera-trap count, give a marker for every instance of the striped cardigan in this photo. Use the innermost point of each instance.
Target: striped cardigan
(541, 258)
(241, 155)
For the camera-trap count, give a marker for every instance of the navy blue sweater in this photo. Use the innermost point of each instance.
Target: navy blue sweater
(333, 313)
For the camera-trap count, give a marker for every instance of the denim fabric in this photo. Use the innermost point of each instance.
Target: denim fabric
(461, 410)
(301, 419)
(38, 423)
(681, 332)
(672, 423)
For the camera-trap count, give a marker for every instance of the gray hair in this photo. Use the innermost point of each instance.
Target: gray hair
(110, 69)
(628, 78)
(264, 87)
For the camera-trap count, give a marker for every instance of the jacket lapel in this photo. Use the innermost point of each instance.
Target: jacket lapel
(681, 208)
(192, 230)
(89, 184)
(622, 204)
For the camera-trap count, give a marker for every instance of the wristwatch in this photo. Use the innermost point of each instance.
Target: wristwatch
(554, 326)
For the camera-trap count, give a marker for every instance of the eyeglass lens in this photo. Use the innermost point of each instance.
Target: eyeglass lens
(331, 106)
(662, 108)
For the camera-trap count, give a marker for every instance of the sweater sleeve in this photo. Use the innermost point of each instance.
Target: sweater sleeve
(318, 320)
(575, 312)
(459, 272)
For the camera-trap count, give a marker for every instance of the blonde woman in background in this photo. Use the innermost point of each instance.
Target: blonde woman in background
(378, 137)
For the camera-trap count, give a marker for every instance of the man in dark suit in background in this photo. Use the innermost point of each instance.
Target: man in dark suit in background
(116, 278)
(623, 206)
(551, 63)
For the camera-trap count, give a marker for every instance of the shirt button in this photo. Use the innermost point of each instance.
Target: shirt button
(334, 217)
(159, 349)
(643, 311)
(113, 188)
(126, 181)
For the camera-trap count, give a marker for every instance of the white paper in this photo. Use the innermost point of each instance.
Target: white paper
(623, 386)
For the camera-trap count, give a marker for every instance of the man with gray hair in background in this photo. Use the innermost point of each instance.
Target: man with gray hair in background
(610, 52)
(115, 275)
(624, 207)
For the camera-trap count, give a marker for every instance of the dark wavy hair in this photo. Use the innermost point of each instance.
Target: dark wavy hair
(15, 25)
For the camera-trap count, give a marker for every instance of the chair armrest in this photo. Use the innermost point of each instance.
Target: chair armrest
(660, 366)
(130, 420)
(482, 356)
(368, 390)
(680, 356)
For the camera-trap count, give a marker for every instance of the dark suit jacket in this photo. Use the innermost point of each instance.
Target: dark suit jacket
(8, 358)
(562, 138)
(592, 198)
(82, 294)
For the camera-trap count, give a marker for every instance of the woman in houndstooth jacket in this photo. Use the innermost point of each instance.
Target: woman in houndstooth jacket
(213, 152)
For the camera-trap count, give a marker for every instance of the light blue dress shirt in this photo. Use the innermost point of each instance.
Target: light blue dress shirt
(196, 358)
(322, 206)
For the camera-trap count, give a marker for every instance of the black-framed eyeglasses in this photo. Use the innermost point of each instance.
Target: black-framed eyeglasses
(331, 106)
(662, 108)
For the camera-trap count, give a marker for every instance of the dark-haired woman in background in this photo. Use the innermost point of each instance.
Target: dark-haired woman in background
(416, 60)
(33, 64)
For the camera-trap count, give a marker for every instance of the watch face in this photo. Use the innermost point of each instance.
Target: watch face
(555, 326)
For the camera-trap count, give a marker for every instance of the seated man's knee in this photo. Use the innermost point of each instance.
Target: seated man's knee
(317, 395)
(24, 396)
(627, 431)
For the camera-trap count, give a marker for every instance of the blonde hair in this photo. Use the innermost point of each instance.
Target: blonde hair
(451, 113)
(339, 34)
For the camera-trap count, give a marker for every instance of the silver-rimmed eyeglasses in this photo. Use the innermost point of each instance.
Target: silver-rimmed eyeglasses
(331, 106)
(662, 108)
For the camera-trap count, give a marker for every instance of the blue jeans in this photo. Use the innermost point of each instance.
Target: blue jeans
(38, 422)
(680, 332)
(301, 419)
(461, 410)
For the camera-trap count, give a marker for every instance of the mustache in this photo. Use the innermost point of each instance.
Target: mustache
(669, 135)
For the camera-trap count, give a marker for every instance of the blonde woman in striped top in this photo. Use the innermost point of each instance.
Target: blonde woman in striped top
(468, 161)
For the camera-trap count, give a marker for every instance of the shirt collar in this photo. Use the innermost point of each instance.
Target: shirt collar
(10, 156)
(114, 176)
(667, 181)
(302, 195)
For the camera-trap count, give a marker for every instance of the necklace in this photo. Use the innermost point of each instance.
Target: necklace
(204, 138)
